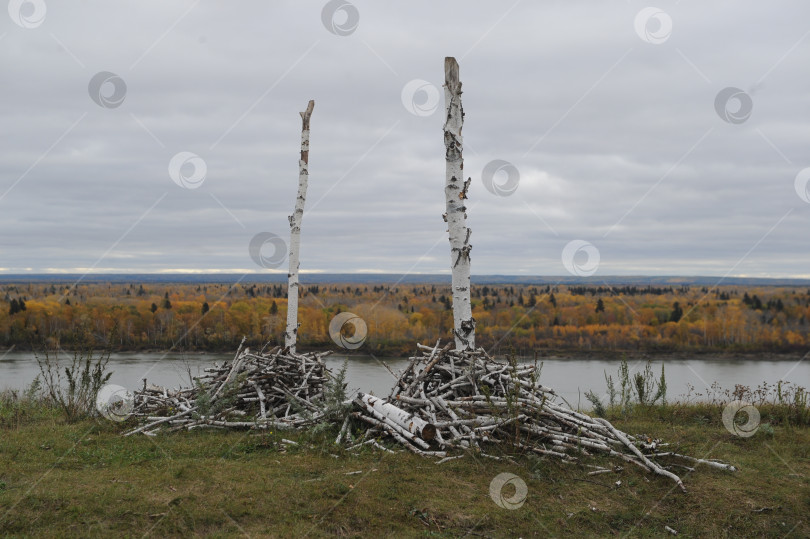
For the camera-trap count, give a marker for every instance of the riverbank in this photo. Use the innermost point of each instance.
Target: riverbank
(540, 354)
(86, 480)
(681, 355)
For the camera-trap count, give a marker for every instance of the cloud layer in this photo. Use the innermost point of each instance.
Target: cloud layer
(607, 112)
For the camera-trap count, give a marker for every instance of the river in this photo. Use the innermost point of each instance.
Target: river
(571, 378)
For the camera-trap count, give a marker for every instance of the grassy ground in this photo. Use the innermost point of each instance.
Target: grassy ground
(84, 479)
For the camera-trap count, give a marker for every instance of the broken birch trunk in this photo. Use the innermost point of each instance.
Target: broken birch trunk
(455, 192)
(291, 334)
(463, 399)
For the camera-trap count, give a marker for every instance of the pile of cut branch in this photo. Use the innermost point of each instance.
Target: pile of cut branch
(448, 399)
(279, 388)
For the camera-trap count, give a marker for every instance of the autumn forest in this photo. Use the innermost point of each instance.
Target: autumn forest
(510, 318)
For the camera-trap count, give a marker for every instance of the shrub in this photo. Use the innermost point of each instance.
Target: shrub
(73, 384)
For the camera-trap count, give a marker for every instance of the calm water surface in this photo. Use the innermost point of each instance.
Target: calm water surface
(569, 377)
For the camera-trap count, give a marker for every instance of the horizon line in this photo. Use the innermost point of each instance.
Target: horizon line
(410, 276)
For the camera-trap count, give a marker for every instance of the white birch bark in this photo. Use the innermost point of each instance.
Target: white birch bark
(291, 334)
(455, 191)
(407, 421)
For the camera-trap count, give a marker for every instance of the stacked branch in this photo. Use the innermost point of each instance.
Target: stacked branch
(449, 399)
(279, 388)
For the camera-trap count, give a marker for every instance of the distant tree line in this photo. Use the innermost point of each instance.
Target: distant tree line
(528, 319)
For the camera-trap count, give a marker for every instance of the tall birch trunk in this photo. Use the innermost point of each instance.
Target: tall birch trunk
(455, 191)
(291, 335)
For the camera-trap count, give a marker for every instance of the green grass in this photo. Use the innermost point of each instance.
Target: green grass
(85, 479)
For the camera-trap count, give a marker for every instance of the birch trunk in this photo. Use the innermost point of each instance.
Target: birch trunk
(409, 422)
(291, 335)
(455, 191)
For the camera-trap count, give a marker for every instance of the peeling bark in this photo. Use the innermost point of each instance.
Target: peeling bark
(291, 334)
(387, 412)
(455, 191)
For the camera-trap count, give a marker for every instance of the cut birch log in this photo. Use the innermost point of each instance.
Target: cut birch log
(291, 333)
(455, 191)
(411, 423)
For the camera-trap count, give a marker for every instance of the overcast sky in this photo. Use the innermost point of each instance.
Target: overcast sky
(612, 118)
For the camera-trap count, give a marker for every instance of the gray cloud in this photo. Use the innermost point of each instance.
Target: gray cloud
(617, 140)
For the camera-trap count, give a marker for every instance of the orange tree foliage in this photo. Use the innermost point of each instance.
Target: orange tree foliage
(526, 319)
